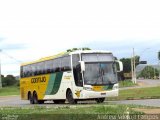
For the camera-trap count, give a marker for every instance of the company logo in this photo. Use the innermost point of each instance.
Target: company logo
(38, 79)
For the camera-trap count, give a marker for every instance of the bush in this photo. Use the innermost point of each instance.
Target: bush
(8, 80)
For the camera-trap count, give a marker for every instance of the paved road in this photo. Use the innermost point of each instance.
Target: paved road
(13, 101)
(145, 102)
(144, 83)
(148, 82)
(16, 101)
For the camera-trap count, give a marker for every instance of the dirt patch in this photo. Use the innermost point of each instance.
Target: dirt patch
(148, 110)
(142, 84)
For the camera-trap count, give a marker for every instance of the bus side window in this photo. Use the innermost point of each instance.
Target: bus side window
(57, 65)
(21, 72)
(66, 63)
(47, 67)
(76, 70)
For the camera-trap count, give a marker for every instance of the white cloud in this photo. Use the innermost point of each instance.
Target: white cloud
(48, 27)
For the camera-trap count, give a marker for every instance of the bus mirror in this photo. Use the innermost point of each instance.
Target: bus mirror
(82, 65)
(120, 64)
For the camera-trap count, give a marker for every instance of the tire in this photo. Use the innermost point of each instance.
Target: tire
(70, 98)
(59, 101)
(40, 101)
(30, 97)
(35, 98)
(100, 100)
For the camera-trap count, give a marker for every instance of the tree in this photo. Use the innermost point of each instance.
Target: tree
(137, 58)
(127, 67)
(8, 80)
(74, 49)
(127, 63)
(149, 72)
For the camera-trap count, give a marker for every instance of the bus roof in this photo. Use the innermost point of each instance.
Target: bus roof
(64, 54)
(90, 51)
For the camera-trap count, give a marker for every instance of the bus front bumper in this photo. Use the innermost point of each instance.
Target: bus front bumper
(86, 94)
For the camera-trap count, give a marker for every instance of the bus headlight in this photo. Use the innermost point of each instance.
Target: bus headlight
(87, 88)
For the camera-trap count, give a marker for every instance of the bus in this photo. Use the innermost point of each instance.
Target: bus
(71, 76)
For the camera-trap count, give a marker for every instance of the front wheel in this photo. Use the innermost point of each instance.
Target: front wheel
(100, 100)
(70, 98)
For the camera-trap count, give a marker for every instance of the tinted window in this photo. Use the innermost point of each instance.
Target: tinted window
(77, 70)
(97, 57)
(48, 66)
(66, 63)
(57, 64)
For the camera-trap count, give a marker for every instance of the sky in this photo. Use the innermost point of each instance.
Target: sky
(31, 29)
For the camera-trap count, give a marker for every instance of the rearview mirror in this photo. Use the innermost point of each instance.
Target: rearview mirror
(120, 66)
(82, 66)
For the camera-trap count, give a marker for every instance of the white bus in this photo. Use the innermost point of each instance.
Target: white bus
(75, 76)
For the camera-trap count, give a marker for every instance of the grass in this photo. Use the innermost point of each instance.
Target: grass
(68, 112)
(126, 83)
(10, 90)
(138, 93)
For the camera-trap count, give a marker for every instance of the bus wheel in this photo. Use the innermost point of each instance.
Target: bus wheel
(100, 100)
(31, 98)
(70, 98)
(59, 101)
(40, 101)
(35, 98)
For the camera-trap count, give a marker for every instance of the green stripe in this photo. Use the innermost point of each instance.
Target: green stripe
(108, 87)
(50, 84)
(54, 83)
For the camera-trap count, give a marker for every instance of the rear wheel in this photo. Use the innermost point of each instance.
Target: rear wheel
(100, 100)
(40, 101)
(70, 98)
(35, 98)
(30, 97)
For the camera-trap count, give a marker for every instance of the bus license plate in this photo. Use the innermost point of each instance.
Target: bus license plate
(103, 93)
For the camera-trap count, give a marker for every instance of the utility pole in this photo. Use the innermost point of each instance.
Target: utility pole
(0, 71)
(133, 67)
(159, 63)
(159, 69)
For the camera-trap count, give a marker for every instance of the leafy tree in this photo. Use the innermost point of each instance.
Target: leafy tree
(149, 72)
(86, 48)
(127, 63)
(74, 49)
(137, 58)
(8, 80)
(127, 66)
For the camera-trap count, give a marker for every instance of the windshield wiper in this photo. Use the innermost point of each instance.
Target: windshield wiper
(100, 76)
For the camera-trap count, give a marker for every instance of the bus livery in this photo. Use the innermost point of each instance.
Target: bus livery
(74, 76)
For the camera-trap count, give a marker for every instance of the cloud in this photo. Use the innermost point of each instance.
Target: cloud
(12, 46)
(34, 29)
(147, 49)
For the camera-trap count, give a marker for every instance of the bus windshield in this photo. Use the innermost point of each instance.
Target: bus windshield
(100, 73)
